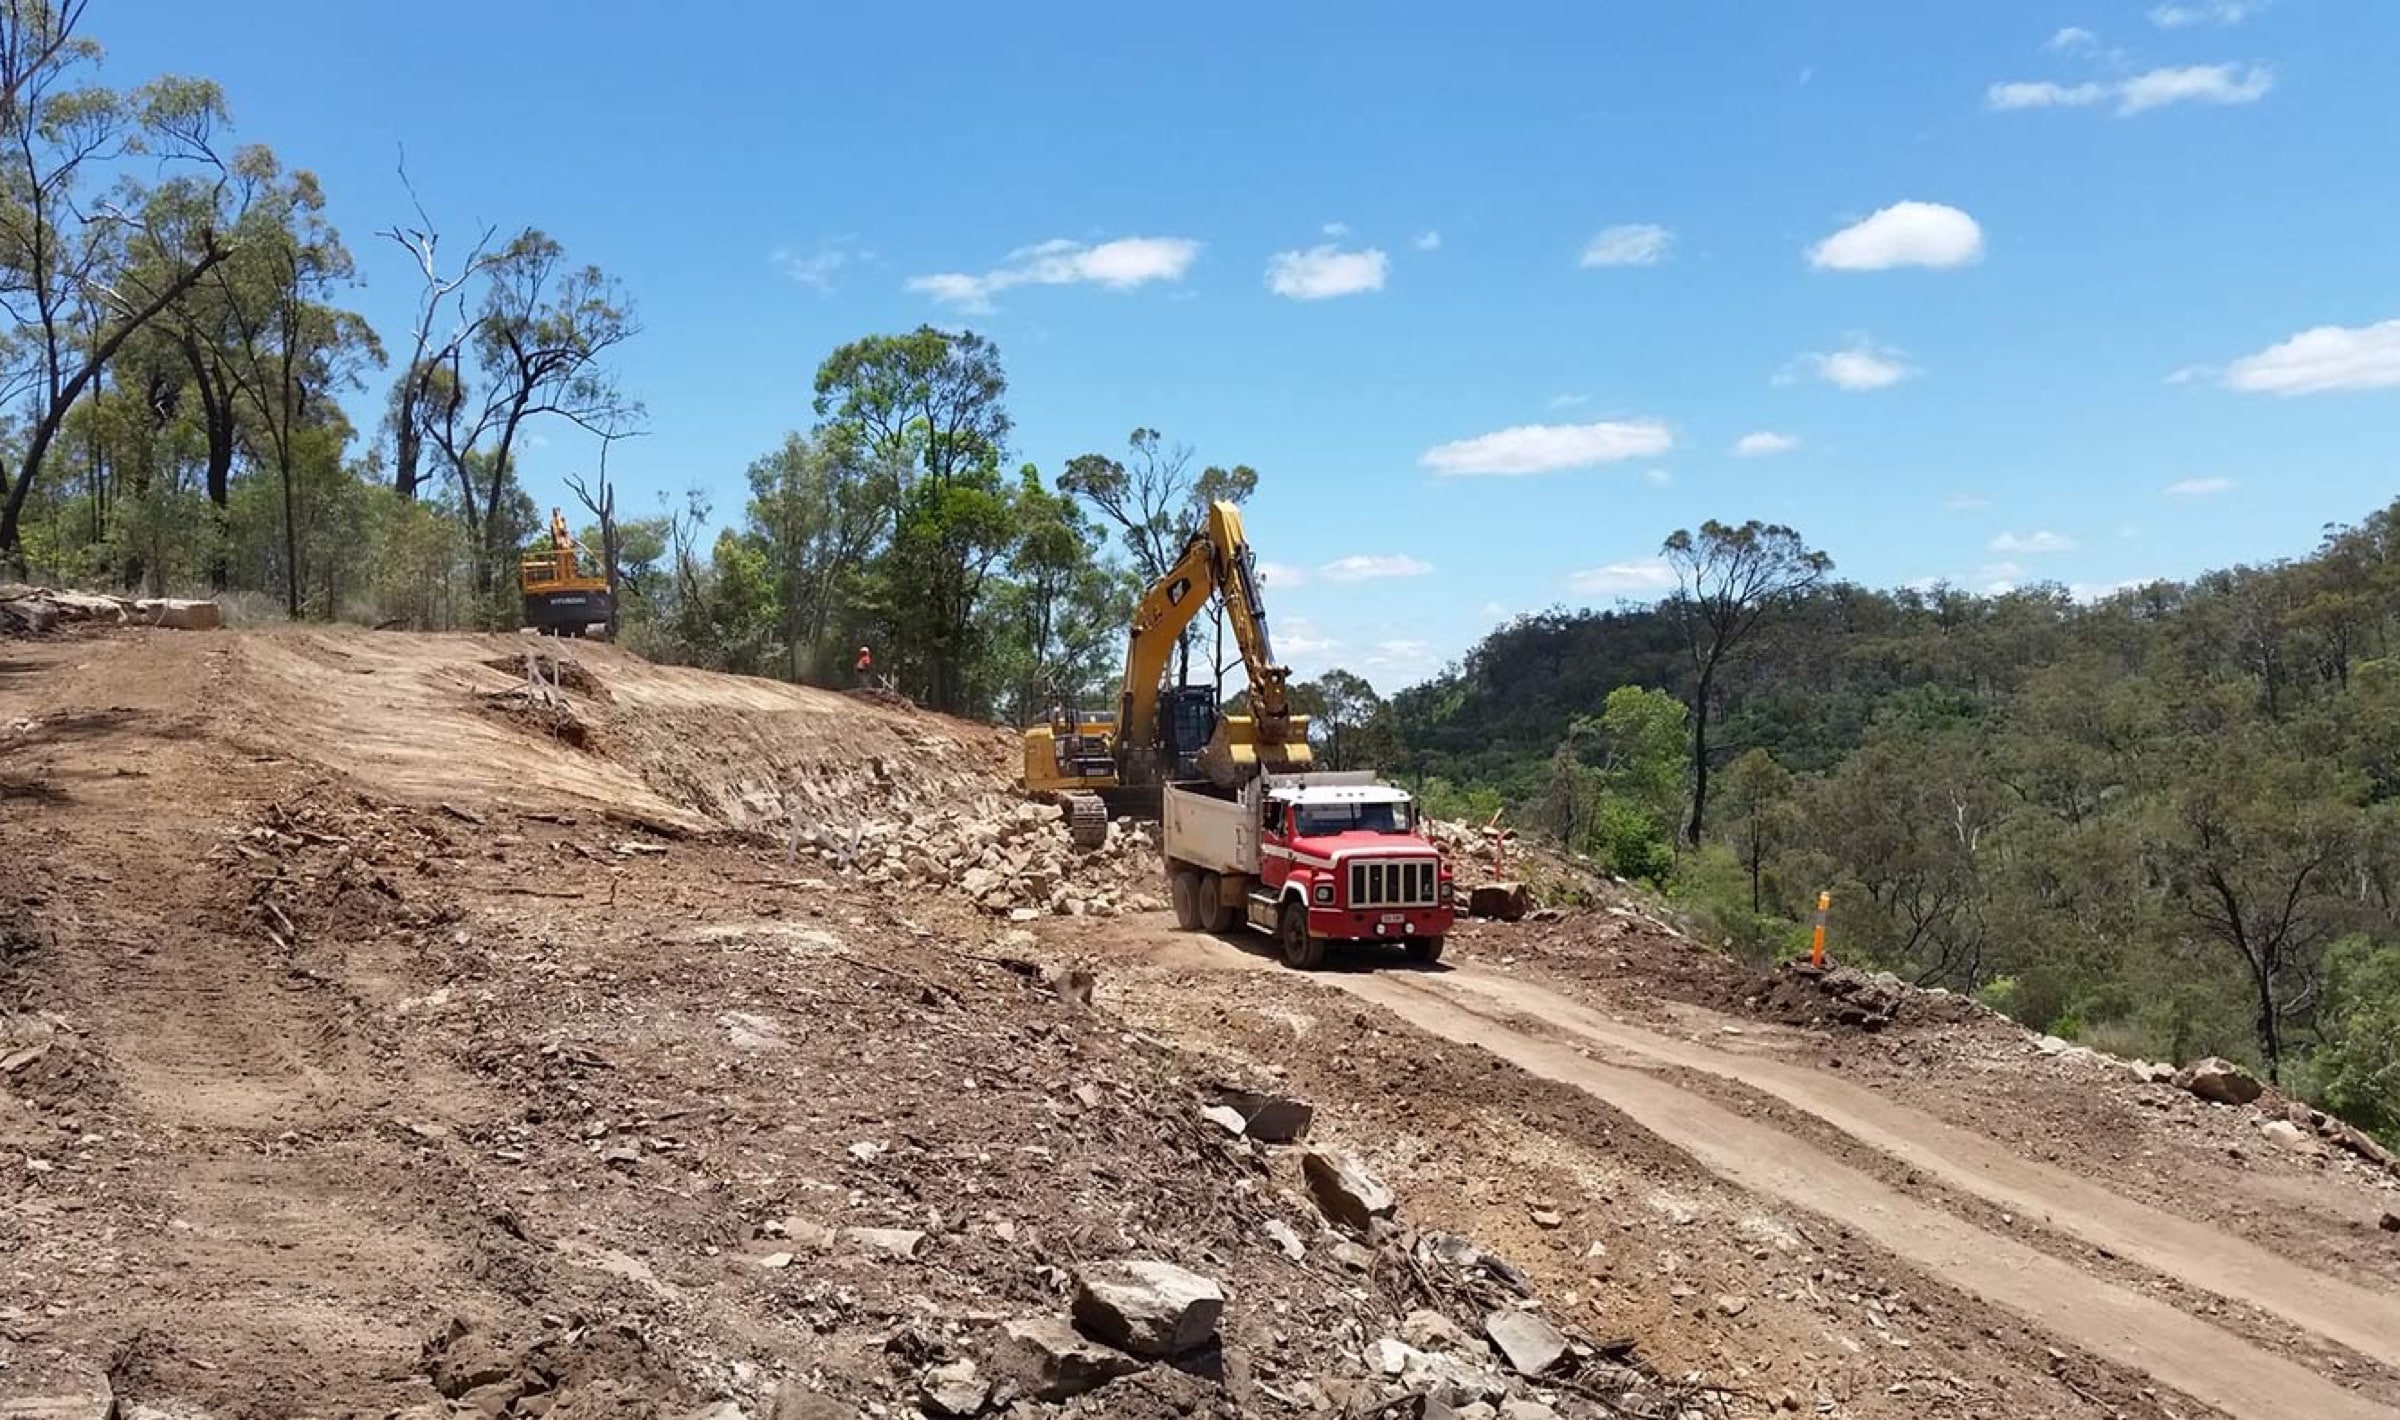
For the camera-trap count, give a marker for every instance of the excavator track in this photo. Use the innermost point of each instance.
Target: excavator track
(1087, 819)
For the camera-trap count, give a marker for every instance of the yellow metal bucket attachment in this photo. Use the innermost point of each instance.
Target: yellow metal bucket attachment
(1242, 749)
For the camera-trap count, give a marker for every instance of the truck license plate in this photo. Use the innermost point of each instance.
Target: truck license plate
(1390, 918)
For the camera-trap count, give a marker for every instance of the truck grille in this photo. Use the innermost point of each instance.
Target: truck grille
(1395, 882)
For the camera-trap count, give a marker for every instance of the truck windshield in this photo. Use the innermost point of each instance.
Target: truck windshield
(1323, 820)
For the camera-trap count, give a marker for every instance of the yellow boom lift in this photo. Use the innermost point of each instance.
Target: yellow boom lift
(1096, 763)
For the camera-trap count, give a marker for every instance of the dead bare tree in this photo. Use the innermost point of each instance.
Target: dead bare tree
(600, 497)
(421, 379)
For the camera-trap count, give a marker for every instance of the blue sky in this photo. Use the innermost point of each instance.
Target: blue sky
(2083, 292)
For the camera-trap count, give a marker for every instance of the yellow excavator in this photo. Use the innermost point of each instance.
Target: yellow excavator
(1096, 763)
(561, 598)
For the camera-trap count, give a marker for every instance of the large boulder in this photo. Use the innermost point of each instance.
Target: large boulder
(954, 1391)
(1503, 902)
(1147, 1306)
(179, 615)
(2219, 1081)
(1051, 1361)
(1347, 1193)
(1529, 1343)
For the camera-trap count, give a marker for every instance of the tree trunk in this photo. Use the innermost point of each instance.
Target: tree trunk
(1758, 856)
(291, 543)
(1700, 756)
(2270, 1026)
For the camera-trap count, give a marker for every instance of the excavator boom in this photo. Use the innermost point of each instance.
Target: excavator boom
(1086, 761)
(1216, 563)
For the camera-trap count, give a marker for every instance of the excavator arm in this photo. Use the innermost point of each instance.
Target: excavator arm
(1216, 563)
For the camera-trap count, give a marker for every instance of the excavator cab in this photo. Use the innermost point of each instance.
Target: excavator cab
(1188, 720)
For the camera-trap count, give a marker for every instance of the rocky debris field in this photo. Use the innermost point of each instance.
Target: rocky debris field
(1011, 858)
(756, 1055)
(403, 1100)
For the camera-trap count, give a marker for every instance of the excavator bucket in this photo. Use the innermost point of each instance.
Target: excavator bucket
(1243, 748)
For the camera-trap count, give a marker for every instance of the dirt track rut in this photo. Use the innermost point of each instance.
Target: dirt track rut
(2205, 1361)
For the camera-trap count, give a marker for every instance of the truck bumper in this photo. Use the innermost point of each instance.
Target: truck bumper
(1342, 925)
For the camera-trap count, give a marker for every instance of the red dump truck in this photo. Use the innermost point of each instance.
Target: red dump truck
(1314, 859)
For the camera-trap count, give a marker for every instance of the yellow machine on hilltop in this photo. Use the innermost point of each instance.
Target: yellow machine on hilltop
(1093, 763)
(561, 598)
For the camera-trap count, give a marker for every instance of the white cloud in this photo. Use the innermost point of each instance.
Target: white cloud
(2200, 487)
(2102, 591)
(1930, 234)
(1323, 271)
(1650, 575)
(1860, 365)
(817, 268)
(1568, 401)
(2033, 542)
(2142, 92)
(1367, 567)
(2175, 16)
(1547, 448)
(2198, 83)
(1632, 244)
(2074, 39)
(2042, 94)
(1281, 576)
(1428, 241)
(2327, 357)
(1764, 444)
(1119, 265)
(1336, 229)
(2000, 571)
(1298, 640)
(1494, 611)
(1399, 657)
(1966, 502)
(1657, 477)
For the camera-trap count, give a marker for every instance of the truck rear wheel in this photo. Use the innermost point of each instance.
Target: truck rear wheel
(1425, 951)
(1215, 916)
(1301, 951)
(1183, 892)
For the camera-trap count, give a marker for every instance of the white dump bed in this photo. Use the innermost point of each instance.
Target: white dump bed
(1217, 834)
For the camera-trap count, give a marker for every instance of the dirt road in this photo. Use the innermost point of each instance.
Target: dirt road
(1487, 1010)
(1640, 1072)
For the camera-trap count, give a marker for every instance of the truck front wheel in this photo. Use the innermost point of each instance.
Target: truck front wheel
(1183, 891)
(1425, 951)
(1301, 951)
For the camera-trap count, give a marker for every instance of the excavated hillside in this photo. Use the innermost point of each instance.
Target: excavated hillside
(394, 1025)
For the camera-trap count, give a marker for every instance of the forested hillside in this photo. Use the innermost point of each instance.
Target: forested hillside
(2168, 821)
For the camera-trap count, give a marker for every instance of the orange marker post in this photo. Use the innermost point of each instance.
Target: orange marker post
(1816, 946)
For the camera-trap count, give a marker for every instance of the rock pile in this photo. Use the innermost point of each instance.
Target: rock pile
(36, 611)
(1014, 861)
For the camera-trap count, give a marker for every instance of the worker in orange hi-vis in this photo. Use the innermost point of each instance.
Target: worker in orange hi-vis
(866, 665)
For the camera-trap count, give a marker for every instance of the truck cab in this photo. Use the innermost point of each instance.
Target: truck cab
(1312, 858)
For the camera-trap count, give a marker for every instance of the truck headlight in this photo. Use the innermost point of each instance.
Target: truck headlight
(1324, 894)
